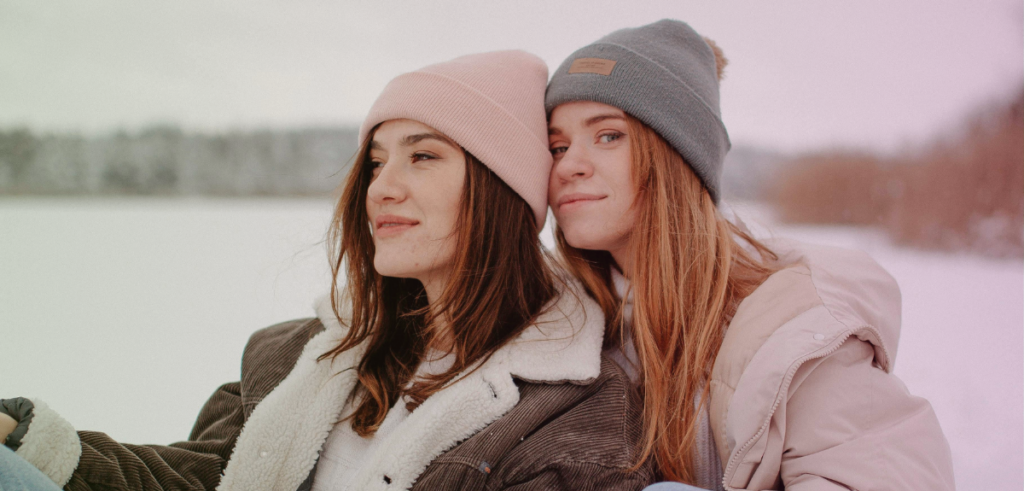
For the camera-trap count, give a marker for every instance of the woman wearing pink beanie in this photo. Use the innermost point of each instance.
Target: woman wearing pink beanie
(452, 358)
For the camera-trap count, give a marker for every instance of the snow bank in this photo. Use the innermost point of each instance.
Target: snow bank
(126, 314)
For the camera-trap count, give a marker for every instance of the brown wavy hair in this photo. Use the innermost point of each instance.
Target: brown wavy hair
(500, 282)
(689, 273)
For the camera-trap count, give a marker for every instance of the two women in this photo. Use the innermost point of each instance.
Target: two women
(453, 358)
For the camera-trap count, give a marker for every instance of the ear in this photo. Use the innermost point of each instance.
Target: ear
(720, 60)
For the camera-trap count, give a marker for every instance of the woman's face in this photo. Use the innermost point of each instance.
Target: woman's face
(413, 201)
(591, 190)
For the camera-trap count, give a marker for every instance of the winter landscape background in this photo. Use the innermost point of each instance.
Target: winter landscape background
(167, 173)
(125, 314)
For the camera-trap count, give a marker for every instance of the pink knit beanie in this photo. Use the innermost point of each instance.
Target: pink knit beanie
(492, 104)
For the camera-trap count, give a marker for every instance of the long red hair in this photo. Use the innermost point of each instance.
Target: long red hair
(689, 273)
(500, 283)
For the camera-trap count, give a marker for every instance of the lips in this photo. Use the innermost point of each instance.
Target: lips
(387, 225)
(578, 198)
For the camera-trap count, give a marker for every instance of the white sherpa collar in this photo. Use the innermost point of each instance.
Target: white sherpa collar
(562, 345)
(281, 441)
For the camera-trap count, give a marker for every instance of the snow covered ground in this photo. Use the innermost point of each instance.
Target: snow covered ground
(125, 314)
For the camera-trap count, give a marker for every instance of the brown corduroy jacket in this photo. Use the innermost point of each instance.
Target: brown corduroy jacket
(547, 411)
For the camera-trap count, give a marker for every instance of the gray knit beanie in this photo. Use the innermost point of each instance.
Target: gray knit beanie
(663, 74)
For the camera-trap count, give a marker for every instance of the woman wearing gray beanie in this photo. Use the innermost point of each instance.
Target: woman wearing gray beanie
(763, 364)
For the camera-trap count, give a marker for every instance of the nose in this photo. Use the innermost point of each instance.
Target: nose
(575, 164)
(388, 186)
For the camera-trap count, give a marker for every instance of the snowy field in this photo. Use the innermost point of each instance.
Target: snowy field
(124, 314)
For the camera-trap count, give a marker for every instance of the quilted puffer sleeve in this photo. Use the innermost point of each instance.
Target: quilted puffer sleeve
(851, 425)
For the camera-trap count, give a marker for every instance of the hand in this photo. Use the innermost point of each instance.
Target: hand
(7, 426)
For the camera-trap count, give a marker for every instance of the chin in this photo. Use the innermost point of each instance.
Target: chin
(594, 240)
(394, 269)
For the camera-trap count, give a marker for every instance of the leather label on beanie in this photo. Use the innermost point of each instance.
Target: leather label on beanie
(599, 66)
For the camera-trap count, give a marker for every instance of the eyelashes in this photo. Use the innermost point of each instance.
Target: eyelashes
(603, 138)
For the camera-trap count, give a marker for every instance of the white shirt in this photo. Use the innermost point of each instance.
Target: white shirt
(345, 452)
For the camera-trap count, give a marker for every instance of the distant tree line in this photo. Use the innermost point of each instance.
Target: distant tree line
(165, 160)
(962, 192)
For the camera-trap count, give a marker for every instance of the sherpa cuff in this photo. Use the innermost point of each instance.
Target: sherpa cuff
(51, 444)
(19, 409)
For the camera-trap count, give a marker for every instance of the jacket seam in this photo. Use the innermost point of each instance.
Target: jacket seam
(588, 462)
(463, 461)
(525, 473)
(817, 293)
(794, 366)
(853, 330)
(624, 417)
(820, 301)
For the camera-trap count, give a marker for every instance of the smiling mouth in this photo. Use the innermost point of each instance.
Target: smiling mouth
(390, 229)
(578, 198)
(388, 225)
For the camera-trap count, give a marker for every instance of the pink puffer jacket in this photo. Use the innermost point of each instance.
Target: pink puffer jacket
(802, 392)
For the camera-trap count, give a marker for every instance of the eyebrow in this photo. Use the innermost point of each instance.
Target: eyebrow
(414, 139)
(602, 117)
(589, 122)
(410, 140)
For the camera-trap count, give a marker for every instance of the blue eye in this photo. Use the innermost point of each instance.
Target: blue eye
(559, 150)
(609, 137)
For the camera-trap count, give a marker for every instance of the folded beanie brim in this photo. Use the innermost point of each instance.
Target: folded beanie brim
(664, 74)
(507, 142)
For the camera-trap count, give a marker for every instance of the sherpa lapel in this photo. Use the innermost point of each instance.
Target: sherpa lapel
(281, 440)
(280, 443)
(454, 414)
(563, 345)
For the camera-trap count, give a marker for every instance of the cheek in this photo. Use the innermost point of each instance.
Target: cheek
(432, 244)
(396, 259)
(443, 205)
(607, 224)
(617, 172)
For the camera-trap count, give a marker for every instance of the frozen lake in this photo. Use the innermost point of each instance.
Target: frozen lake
(125, 314)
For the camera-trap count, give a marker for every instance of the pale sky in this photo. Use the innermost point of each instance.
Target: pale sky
(802, 74)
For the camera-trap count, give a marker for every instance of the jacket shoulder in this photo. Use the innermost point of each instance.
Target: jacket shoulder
(856, 291)
(603, 416)
(854, 294)
(782, 297)
(577, 426)
(271, 354)
(818, 336)
(277, 335)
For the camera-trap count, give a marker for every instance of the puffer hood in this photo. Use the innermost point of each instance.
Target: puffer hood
(855, 290)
